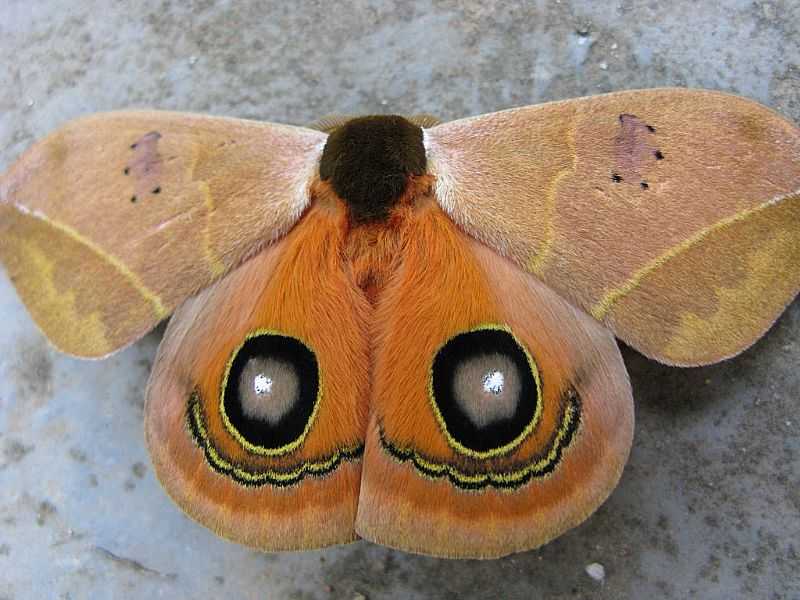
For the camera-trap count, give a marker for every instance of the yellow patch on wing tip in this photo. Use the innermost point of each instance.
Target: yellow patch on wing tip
(536, 264)
(734, 313)
(87, 330)
(601, 309)
(159, 309)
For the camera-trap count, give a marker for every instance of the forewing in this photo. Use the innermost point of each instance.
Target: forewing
(670, 215)
(256, 408)
(500, 417)
(113, 220)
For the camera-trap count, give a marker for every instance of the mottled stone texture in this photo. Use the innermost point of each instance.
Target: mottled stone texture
(709, 503)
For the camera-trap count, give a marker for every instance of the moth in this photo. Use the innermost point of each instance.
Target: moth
(402, 330)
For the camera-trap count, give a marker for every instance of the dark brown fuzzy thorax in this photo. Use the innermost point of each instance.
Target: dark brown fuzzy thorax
(369, 162)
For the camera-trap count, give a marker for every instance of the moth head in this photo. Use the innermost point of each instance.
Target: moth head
(369, 161)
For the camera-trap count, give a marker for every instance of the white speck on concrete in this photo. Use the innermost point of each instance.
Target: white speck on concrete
(596, 571)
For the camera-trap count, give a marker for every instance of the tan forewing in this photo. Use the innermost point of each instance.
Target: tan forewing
(671, 215)
(110, 222)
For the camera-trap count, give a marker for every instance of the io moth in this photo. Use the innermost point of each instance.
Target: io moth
(400, 330)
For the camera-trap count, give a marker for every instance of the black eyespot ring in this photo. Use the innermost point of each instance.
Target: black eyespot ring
(257, 436)
(499, 437)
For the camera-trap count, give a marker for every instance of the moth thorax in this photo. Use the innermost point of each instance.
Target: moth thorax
(268, 389)
(369, 162)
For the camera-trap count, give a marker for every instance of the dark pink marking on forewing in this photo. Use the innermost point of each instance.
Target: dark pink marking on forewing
(145, 165)
(635, 150)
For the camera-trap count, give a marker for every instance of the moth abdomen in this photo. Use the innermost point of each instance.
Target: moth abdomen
(369, 161)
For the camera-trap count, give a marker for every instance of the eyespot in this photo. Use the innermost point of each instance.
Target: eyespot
(270, 393)
(485, 390)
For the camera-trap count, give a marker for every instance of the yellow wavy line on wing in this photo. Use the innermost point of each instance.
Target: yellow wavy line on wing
(601, 309)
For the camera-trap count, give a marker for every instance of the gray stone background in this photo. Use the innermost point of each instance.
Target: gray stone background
(709, 504)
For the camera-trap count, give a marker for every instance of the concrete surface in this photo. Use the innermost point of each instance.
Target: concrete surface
(709, 505)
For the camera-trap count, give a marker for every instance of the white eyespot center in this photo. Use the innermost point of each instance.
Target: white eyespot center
(493, 382)
(262, 384)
